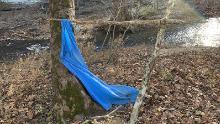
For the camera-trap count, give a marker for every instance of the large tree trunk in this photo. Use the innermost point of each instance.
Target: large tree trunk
(72, 101)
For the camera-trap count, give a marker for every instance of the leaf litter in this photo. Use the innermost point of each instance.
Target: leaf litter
(184, 87)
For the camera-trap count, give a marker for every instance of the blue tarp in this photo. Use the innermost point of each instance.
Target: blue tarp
(104, 94)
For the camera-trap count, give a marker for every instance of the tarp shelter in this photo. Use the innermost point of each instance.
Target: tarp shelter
(104, 94)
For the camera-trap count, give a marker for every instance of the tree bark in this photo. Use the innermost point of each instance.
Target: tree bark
(71, 99)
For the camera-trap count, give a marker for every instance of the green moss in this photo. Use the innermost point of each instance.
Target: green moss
(66, 3)
(56, 27)
(70, 95)
(74, 100)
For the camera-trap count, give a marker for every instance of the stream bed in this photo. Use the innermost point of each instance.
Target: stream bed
(204, 34)
(13, 49)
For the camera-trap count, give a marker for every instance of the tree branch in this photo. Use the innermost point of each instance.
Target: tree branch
(126, 23)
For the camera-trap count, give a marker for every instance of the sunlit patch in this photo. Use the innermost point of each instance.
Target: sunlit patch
(198, 32)
(210, 33)
(186, 11)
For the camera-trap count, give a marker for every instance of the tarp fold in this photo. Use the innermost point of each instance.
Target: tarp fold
(104, 94)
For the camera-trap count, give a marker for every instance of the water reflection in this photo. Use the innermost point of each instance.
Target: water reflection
(22, 1)
(210, 32)
(201, 34)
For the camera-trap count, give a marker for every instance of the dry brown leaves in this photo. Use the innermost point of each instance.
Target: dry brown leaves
(184, 87)
(26, 91)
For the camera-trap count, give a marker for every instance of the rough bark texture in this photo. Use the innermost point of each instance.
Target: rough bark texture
(72, 101)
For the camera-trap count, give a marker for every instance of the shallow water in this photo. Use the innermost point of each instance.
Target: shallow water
(23, 1)
(204, 34)
(14, 49)
(198, 34)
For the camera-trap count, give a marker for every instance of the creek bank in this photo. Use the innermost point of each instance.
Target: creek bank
(29, 22)
(13, 49)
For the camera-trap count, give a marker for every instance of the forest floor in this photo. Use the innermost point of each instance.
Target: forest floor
(184, 86)
(26, 24)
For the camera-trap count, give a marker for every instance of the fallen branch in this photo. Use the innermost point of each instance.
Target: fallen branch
(148, 70)
(149, 66)
(108, 115)
(126, 23)
(104, 116)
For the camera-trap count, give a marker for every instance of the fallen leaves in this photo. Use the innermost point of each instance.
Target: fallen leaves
(26, 93)
(184, 87)
(30, 114)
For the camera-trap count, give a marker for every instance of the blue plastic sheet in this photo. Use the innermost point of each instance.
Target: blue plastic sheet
(104, 94)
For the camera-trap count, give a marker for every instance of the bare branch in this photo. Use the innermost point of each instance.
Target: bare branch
(104, 116)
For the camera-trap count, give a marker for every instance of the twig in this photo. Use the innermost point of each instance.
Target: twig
(109, 28)
(108, 115)
(104, 116)
(117, 46)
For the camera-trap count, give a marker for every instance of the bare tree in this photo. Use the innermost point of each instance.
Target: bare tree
(71, 102)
